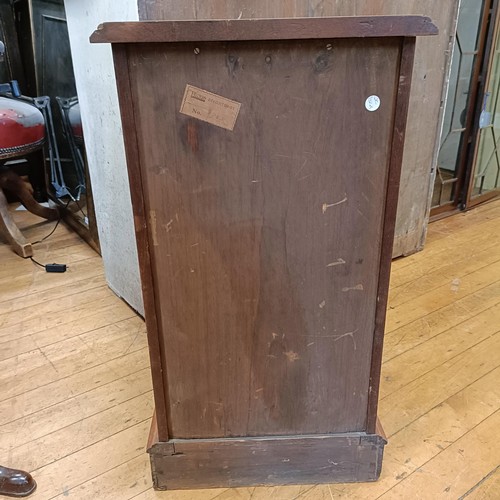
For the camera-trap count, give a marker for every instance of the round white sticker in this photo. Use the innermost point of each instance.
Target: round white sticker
(372, 103)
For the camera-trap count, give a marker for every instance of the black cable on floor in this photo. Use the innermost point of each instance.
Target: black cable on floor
(52, 268)
(36, 262)
(55, 227)
(50, 234)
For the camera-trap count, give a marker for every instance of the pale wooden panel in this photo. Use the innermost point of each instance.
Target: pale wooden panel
(83, 433)
(38, 398)
(403, 369)
(48, 364)
(441, 296)
(452, 274)
(49, 420)
(67, 255)
(463, 221)
(487, 488)
(454, 471)
(103, 317)
(445, 425)
(427, 87)
(9, 306)
(133, 480)
(425, 328)
(425, 438)
(411, 402)
(53, 307)
(485, 242)
(31, 280)
(60, 476)
(68, 324)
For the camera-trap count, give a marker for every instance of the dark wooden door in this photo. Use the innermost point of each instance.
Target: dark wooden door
(11, 68)
(54, 66)
(266, 239)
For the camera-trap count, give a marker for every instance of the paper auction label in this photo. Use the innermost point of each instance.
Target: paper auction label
(209, 107)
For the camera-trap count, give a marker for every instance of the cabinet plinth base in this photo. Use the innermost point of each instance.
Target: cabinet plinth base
(250, 461)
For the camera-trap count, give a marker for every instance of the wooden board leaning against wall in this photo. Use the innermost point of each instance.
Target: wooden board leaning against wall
(427, 94)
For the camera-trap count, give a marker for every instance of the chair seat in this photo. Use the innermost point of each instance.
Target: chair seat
(22, 128)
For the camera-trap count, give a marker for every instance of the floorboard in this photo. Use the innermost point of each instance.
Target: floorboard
(75, 387)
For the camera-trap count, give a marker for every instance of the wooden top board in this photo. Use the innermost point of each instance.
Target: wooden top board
(263, 29)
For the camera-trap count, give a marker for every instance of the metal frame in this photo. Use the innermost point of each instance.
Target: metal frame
(493, 33)
(466, 156)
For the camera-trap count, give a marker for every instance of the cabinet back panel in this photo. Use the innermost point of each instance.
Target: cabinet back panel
(265, 239)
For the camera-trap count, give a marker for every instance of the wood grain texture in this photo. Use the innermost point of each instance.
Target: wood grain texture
(99, 457)
(143, 243)
(219, 463)
(427, 95)
(263, 29)
(265, 241)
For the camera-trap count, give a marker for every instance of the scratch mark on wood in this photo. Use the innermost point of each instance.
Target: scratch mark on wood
(154, 233)
(348, 334)
(455, 285)
(334, 337)
(329, 489)
(292, 356)
(322, 304)
(326, 206)
(168, 225)
(356, 287)
(338, 262)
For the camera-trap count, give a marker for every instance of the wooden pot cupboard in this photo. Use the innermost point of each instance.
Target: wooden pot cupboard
(264, 160)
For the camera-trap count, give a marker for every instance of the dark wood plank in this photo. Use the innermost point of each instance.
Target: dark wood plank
(263, 29)
(137, 195)
(265, 240)
(391, 204)
(204, 463)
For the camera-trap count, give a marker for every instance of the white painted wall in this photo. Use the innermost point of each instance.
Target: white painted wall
(96, 87)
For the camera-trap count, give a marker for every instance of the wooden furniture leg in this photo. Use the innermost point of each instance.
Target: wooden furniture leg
(11, 181)
(11, 232)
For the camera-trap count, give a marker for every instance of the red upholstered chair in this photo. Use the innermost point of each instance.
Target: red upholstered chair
(22, 131)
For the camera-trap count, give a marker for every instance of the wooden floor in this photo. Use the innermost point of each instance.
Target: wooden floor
(75, 389)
